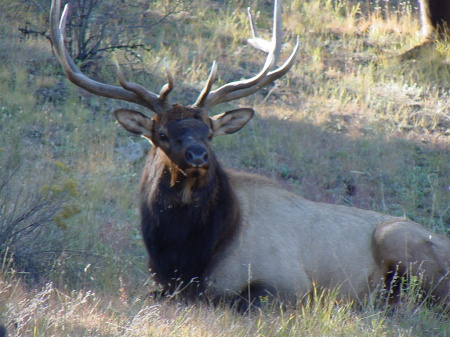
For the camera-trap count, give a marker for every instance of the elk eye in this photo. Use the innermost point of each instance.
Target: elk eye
(163, 137)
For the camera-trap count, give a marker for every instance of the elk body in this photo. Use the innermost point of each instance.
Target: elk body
(435, 18)
(234, 235)
(435, 23)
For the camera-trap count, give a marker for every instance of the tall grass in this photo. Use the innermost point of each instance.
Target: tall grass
(349, 125)
(53, 311)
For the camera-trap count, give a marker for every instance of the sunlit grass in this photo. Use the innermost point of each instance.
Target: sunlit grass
(57, 312)
(350, 124)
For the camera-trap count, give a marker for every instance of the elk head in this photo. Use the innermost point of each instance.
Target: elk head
(182, 133)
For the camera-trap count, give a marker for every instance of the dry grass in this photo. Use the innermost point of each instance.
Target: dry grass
(349, 125)
(52, 311)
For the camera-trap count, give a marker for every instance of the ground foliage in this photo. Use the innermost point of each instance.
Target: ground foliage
(351, 124)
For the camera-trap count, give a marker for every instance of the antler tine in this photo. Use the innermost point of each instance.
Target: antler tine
(205, 92)
(243, 88)
(167, 88)
(264, 45)
(160, 102)
(269, 78)
(130, 92)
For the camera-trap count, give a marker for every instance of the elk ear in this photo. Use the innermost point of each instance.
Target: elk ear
(231, 121)
(135, 122)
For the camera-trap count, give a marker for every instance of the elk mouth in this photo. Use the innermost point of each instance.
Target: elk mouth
(191, 174)
(196, 172)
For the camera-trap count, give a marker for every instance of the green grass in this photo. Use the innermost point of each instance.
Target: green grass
(350, 125)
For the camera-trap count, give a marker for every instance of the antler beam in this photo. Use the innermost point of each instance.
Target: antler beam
(130, 92)
(243, 88)
(136, 93)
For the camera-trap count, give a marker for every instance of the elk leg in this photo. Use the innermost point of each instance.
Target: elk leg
(254, 296)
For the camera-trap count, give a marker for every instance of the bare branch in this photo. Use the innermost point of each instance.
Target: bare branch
(128, 92)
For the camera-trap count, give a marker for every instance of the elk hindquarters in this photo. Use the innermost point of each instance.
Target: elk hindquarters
(404, 248)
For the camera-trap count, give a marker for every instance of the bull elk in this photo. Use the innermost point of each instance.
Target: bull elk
(435, 23)
(435, 19)
(224, 234)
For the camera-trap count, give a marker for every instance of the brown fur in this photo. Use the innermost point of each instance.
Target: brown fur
(242, 236)
(435, 18)
(294, 245)
(435, 21)
(424, 255)
(235, 235)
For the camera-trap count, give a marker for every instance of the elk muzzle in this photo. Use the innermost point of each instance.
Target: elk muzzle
(196, 156)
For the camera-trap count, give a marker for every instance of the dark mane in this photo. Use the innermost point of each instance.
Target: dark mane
(184, 240)
(286, 246)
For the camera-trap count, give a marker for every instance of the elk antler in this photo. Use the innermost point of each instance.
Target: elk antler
(136, 93)
(243, 88)
(130, 92)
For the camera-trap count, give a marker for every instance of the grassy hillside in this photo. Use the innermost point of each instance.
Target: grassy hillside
(350, 124)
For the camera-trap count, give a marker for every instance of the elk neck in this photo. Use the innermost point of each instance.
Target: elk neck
(197, 231)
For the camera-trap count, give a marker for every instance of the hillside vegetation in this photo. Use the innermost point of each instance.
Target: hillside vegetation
(350, 124)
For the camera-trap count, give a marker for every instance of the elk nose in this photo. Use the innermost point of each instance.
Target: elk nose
(196, 156)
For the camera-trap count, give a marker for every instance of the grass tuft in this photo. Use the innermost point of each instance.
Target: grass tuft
(350, 124)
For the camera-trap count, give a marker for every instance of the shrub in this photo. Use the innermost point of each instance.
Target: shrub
(33, 217)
